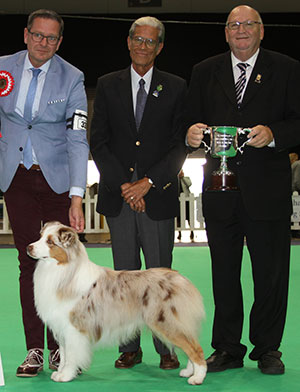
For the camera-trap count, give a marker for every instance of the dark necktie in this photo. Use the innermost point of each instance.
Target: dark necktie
(240, 84)
(27, 154)
(141, 99)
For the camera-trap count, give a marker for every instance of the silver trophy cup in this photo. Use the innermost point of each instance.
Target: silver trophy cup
(224, 145)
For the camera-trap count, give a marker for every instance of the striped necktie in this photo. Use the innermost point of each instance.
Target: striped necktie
(240, 84)
(27, 153)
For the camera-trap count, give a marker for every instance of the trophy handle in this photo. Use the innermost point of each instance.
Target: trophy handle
(243, 131)
(206, 131)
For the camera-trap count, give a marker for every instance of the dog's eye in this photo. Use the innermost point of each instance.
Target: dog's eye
(50, 242)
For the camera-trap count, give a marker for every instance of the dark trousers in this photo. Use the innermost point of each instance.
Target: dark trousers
(132, 232)
(268, 243)
(30, 202)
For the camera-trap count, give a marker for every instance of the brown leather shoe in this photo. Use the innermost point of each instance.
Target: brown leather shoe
(169, 361)
(54, 359)
(32, 365)
(128, 360)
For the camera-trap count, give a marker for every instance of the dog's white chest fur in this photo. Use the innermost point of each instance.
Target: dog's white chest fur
(86, 305)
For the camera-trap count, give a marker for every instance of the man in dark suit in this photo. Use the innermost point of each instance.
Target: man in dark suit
(139, 156)
(43, 157)
(269, 104)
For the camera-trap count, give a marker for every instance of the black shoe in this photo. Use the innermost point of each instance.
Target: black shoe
(221, 360)
(270, 363)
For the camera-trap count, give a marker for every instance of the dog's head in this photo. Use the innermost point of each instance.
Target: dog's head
(55, 243)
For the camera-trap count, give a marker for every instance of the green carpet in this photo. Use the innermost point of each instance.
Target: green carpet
(193, 262)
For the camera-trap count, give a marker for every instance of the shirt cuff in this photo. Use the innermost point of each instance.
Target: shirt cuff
(76, 191)
(272, 144)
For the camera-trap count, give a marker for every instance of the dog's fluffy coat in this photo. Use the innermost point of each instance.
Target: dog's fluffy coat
(85, 304)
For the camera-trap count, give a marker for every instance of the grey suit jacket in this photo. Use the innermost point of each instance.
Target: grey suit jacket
(61, 152)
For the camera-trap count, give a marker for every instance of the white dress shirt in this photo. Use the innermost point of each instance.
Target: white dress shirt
(135, 79)
(249, 69)
(237, 72)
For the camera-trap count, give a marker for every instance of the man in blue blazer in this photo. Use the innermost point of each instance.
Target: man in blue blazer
(139, 162)
(43, 156)
(260, 209)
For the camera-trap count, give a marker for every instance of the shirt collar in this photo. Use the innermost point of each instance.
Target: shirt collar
(250, 61)
(136, 77)
(28, 65)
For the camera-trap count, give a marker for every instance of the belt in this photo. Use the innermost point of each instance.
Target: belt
(33, 167)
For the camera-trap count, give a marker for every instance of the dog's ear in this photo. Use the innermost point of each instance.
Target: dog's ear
(67, 236)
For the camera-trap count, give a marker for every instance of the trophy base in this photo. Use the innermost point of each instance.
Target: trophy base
(223, 182)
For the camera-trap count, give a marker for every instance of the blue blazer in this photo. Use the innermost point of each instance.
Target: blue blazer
(62, 152)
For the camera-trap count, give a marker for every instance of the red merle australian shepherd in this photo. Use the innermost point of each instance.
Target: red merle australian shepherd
(86, 305)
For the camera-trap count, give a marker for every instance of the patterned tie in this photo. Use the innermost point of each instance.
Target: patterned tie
(240, 84)
(27, 154)
(141, 98)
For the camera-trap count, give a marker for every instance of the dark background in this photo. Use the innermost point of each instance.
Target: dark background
(97, 44)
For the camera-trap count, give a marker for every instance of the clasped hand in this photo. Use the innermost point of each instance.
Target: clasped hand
(133, 193)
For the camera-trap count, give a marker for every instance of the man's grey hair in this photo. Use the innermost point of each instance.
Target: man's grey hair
(149, 21)
(46, 14)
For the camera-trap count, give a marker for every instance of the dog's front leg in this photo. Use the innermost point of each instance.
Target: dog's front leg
(76, 356)
(62, 357)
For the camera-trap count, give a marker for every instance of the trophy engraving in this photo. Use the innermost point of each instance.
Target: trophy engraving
(224, 145)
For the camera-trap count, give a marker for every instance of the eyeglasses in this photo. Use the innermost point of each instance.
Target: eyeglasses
(248, 25)
(38, 37)
(149, 42)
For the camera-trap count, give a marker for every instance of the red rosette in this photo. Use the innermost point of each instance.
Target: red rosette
(6, 83)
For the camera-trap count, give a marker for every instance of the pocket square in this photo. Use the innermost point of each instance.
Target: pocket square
(56, 101)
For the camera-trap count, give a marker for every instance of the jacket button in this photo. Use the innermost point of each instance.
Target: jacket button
(138, 143)
(239, 163)
(29, 126)
(21, 149)
(131, 169)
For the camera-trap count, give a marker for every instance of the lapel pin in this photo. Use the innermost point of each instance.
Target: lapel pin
(157, 90)
(258, 78)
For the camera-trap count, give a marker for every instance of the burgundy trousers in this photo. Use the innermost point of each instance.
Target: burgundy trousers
(31, 202)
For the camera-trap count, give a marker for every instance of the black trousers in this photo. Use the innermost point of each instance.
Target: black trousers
(268, 243)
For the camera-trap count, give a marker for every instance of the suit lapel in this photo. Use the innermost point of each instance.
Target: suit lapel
(260, 74)
(153, 96)
(224, 75)
(125, 94)
(50, 81)
(16, 73)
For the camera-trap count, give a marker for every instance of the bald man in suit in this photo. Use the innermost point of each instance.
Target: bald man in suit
(260, 210)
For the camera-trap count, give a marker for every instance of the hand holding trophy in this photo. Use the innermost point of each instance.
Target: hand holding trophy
(224, 145)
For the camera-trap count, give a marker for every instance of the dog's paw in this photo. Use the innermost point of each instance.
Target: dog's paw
(196, 380)
(199, 375)
(186, 372)
(61, 376)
